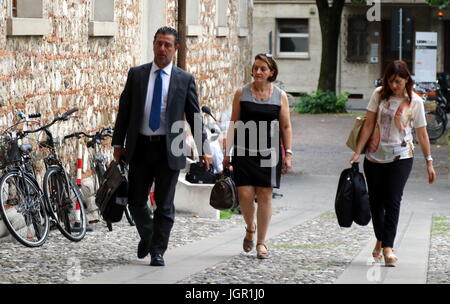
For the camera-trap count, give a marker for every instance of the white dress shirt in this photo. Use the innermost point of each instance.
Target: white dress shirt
(145, 129)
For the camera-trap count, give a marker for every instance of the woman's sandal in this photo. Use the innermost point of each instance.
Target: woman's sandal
(390, 260)
(377, 255)
(262, 254)
(248, 245)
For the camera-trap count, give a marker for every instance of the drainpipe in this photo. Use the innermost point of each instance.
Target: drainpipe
(181, 58)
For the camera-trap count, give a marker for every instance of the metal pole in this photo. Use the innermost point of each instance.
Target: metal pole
(400, 42)
(181, 58)
(270, 42)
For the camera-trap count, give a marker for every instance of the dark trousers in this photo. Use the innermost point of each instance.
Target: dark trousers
(385, 184)
(149, 165)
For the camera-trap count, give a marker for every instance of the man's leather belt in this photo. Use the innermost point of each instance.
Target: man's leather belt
(153, 138)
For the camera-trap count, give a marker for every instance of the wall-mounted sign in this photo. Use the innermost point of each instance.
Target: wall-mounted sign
(426, 57)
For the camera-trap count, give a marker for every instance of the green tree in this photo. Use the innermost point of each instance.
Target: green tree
(330, 24)
(440, 4)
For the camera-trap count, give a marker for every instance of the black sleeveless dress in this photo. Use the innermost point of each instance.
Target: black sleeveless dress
(256, 156)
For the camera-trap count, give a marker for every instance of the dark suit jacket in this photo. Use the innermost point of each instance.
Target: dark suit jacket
(182, 101)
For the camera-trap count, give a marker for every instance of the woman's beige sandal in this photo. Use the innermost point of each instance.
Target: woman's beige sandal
(377, 255)
(248, 245)
(390, 260)
(262, 254)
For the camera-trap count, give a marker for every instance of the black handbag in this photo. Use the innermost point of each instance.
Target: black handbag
(199, 175)
(224, 193)
(352, 200)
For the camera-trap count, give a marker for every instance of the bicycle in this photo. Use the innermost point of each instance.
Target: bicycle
(66, 204)
(98, 163)
(23, 204)
(435, 106)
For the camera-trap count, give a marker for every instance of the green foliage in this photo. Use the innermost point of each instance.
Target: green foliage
(440, 4)
(448, 140)
(359, 2)
(227, 214)
(322, 102)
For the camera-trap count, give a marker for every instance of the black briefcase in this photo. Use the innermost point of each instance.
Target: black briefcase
(199, 175)
(114, 182)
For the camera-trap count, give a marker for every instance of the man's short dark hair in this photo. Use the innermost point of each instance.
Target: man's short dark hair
(167, 30)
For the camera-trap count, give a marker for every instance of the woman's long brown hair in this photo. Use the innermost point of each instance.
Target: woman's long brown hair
(396, 68)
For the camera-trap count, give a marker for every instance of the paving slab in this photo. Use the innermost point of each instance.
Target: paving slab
(411, 246)
(186, 260)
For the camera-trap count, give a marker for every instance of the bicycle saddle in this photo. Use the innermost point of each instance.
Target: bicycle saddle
(26, 148)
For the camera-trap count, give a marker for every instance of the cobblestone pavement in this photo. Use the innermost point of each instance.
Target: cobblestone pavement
(439, 258)
(60, 260)
(317, 251)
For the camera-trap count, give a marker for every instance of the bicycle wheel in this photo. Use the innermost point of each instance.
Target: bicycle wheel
(23, 209)
(436, 123)
(66, 205)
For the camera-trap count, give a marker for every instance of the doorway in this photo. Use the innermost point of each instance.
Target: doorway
(389, 40)
(447, 46)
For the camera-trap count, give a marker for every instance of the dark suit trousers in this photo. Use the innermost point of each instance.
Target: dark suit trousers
(385, 183)
(149, 165)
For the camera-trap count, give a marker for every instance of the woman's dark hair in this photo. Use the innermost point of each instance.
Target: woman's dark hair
(167, 30)
(396, 68)
(267, 58)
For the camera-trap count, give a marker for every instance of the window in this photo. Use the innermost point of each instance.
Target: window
(27, 19)
(192, 18)
(28, 8)
(357, 45)
(243, 18)
(221, 18)
(293, 38)
(102, 23)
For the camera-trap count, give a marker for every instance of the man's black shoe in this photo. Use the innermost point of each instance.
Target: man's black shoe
(143, 249)
(157, 260)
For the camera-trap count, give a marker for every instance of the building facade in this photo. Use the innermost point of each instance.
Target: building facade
(290, 29)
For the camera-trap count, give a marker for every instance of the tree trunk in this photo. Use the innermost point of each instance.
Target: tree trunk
(330, 24)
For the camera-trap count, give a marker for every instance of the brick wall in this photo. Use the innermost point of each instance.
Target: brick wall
(220, 64)
(67, 68)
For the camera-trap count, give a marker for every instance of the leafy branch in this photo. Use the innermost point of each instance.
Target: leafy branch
(440, 4)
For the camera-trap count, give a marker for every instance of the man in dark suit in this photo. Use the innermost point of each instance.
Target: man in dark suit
(156, 98)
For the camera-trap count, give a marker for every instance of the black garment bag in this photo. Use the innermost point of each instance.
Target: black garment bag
(352, 200)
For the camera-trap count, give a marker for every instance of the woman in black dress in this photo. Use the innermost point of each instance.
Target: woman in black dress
(259, 121)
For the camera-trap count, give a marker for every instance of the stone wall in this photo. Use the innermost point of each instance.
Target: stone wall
(220, 64)
(68, 68)
(52, 74)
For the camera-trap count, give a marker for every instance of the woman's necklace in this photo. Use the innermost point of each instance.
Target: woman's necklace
(261, 95)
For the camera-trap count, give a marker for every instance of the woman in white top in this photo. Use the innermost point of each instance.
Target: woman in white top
(393, 110)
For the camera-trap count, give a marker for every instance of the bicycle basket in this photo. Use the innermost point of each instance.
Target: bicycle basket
(430, 106)
(9, 151)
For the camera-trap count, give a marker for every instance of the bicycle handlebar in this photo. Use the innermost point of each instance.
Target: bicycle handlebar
(102, 134)
(35, 115)
(63, 116)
